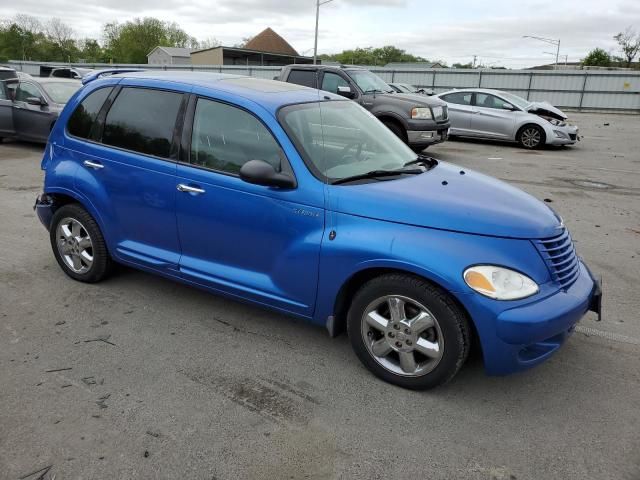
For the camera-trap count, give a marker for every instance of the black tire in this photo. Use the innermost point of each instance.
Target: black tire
(418, 148)
(528, 134)
(101, 264)
(396, 129)
(451, 320)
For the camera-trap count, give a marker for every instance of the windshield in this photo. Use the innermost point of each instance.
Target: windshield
(60, 92)
(515, 99)
(343, 140)
(369, 82)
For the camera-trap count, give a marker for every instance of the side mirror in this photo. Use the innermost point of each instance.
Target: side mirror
(262, 173)
(35, 101)
(508, 106)
(346, 92)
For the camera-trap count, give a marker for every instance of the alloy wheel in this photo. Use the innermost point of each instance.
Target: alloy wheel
(402, 335)
(531, 137)
(74, 245)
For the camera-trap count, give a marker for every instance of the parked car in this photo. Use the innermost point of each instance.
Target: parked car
(7, 73)
(498, 115)
(30, 106)
(306, 204)
(407, 88)
(416, 120)
(70, 72)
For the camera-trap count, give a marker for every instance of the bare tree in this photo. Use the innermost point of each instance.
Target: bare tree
(210, 42)
(62, 36)
(629, 43)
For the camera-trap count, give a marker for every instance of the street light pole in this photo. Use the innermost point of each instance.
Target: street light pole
(550, 41)
(315, 45)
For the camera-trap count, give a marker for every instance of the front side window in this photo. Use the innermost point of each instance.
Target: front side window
(142, 120)
(84, 116)
(489, 101)
(340, 139)
(61, 92)
(459, 98)
(224, 138)
(26, 90)
(331, 82)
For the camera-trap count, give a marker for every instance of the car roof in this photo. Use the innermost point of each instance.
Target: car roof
(271, 94)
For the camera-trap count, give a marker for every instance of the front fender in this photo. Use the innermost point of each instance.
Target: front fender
(439, 256)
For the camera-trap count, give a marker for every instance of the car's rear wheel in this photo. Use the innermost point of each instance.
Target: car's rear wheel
(408, 332)
(78, 244)
(531, 137)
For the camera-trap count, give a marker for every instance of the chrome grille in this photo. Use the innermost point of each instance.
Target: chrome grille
(560, 256)
(440, 113)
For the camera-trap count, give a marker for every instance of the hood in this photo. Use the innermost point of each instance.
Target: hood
(412, 99)
(545, 108)
(445, 199)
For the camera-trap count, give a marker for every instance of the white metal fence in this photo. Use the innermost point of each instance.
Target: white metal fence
(579, 89)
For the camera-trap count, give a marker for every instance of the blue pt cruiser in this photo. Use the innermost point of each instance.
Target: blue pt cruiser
(303, 202)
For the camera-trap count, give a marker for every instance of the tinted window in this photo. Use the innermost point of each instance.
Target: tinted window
(331, 82)
(84, 116)
(460, 98)
(489, 101)
(6, 74)
(26, 90)
(142, 120)
(224, 138)
(306, 78)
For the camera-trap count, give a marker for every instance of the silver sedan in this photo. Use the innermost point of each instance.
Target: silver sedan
(29, 106)
(498, 115)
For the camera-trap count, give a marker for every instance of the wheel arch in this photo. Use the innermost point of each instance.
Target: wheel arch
(388, 117)
(352, 284)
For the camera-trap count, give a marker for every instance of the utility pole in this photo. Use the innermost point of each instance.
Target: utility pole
(475, 57)
(315, 45)
(550, 41)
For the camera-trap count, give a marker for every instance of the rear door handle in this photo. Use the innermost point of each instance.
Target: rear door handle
(189, 189)
(94, 165)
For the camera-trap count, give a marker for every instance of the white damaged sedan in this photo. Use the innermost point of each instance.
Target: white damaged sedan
(498, 115)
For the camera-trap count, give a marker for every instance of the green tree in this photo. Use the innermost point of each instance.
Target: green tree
(597, 58)
(462, 65)
(373, 56)
(132, 41)
(629, 43)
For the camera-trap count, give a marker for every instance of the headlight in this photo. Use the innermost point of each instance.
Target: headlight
(421, 113)
(499, 283)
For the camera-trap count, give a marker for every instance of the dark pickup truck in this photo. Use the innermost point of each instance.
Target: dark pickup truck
(418, 120)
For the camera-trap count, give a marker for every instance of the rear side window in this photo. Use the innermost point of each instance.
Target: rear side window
(142, 120)
(460, 98)
(306, 78)
(84, 116)
(224, 138)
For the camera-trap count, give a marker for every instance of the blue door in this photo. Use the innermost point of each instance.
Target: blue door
(247, 240)
(128, 174)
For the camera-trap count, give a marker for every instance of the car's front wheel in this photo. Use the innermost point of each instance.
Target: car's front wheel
(78, 244)
(531, 137)
(408, 332)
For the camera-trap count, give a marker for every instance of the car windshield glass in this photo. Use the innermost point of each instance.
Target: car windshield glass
(515, 99)
(369, 82)
(343, 139)
(60, 92)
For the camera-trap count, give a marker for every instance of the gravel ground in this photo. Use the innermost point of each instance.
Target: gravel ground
(139, 377)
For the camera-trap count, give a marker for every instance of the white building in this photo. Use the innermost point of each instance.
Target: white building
(169, 56)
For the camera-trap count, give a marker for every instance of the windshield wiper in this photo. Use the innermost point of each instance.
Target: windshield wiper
(377, 174)
(374, 90)
(429, 162)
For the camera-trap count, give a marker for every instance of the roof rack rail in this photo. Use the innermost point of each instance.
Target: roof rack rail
(110, 71)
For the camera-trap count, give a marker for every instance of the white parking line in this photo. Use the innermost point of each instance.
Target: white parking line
(614, 337)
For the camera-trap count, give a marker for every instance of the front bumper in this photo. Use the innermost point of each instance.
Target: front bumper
(529, 334)
(567, 135)
(427, 137)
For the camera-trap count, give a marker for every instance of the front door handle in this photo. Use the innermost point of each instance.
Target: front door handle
(189, 189)
(94, 165)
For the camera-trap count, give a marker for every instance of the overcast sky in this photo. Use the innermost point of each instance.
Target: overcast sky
(453, 31)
